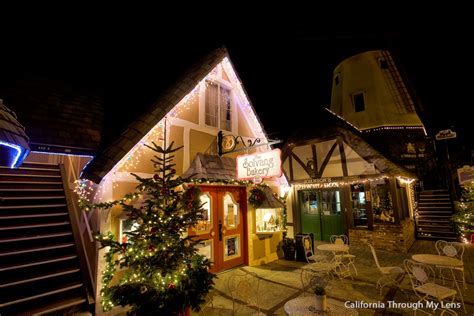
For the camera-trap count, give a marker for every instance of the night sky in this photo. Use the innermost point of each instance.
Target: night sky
(287, 72)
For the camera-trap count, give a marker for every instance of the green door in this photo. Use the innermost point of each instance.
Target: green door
(321, 213)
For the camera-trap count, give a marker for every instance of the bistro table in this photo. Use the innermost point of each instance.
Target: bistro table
(303, 306)
(438, 260)
(448, 262)
(333, 247)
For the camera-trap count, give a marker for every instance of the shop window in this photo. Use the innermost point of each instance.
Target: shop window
(205, 248)
(309, 200)
(359, 211)
(126, 226)
(382, 202)
(269, 220)
(218, 106)
(359, 102)
(204, 225)
(326, 202)
(231, 211)
(330, 202)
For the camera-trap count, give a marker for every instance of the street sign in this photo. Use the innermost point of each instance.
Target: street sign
(445, 134)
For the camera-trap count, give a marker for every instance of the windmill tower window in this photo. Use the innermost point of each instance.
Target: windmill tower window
(336, 80)
(358, 101)
(383, 63)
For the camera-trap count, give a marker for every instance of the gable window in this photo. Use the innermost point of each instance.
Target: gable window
(218, 106)
(358, 101)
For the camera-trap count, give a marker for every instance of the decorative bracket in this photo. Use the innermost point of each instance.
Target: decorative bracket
(227, 143)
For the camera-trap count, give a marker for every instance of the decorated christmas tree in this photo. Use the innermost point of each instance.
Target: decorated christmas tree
(464, 216)
(164, 274)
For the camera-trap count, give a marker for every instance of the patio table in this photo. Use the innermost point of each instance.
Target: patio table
(333, 247)
(448, 262)
(303, 306)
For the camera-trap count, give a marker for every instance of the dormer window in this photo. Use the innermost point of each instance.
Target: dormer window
(218, 106)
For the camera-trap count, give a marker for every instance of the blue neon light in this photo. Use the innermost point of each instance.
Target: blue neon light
(61, 154)
(18, 152)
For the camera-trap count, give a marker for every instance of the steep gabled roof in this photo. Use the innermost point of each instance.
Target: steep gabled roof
(112, 154)
(327, 125)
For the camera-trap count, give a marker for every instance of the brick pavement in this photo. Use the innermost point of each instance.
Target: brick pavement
(280, 282)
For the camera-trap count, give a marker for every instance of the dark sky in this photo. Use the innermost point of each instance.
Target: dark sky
(287, 72)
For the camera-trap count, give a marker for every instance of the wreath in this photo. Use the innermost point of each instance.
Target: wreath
(257, 196)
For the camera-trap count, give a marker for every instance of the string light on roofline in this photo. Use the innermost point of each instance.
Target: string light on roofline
(133, 158)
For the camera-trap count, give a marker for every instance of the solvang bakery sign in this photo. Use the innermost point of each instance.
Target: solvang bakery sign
(259, 165)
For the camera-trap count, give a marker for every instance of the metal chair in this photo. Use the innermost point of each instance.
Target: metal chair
(308, 251)
(346, 258)
(453, 250)
(243, 287)
(391, 276)
(422, 278)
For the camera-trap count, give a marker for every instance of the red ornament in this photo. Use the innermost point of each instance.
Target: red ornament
(156, 177)
(173, 171)
(151, 248)
(153, 230)
(171, 286)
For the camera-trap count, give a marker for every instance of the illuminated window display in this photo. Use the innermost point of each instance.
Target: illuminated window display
(269, 220)
(359, 211)
(205, 224)
(382, 202)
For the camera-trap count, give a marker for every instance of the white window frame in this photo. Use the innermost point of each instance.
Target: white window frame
(226, 85)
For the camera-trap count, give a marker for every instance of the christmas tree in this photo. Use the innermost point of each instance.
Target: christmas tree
(164, 272)
(464, 216)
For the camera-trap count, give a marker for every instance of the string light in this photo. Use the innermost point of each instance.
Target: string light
(132, 159)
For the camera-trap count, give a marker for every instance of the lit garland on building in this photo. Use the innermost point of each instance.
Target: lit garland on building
(133, 158)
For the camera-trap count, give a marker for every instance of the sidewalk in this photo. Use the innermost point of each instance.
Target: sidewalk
(280, 282)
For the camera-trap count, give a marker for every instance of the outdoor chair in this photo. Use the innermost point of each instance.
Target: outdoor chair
(346, 258)
(308, 251)
(243, 287)
(391, 276)
(453, 250)
(422, 278)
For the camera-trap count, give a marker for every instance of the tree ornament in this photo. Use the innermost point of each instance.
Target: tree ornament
(156, 177)
(173, 171)
(163, 274)
(140, 221)
(171, 286)
(143, 289)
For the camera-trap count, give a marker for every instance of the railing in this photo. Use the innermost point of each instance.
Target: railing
(83, 225)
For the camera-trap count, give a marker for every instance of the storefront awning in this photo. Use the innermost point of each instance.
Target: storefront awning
(207, 166)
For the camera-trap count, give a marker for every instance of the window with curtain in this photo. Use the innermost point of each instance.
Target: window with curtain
(218, 106)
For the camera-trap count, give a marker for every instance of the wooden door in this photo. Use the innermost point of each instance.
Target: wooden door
(224, 228)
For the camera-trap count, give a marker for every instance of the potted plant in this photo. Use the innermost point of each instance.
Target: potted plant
(289, 248)
(320, 298)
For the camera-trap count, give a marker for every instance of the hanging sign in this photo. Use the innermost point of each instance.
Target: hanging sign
(465, 174)
(259, 165)
(445, 134)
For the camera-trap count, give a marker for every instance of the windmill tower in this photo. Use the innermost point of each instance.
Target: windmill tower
(369, 92)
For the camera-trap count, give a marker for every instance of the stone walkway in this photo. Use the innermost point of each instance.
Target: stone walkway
(280, 281)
